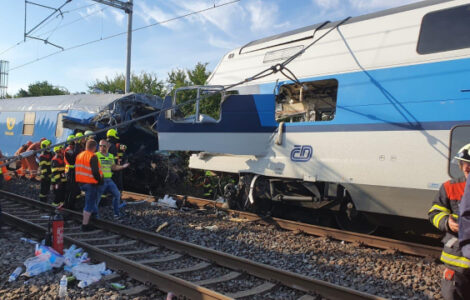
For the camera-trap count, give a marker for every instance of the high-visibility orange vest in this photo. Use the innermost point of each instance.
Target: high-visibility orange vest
(83, 172)
(4, 171)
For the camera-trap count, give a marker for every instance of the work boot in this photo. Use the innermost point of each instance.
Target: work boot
(87, 227)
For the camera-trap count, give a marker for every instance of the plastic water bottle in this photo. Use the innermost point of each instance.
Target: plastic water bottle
(83, 284)
(15, 274)
(63, 287)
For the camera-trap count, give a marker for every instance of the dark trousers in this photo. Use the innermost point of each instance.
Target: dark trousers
(59, 192)
(45, 188)
(72, 192)
(456, 288)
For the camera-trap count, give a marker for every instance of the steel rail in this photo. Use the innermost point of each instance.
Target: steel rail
(354, 237)
(266, 272)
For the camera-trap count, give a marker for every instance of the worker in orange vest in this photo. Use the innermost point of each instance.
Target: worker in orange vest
(22, 164)
(32, 165)
(89, 175)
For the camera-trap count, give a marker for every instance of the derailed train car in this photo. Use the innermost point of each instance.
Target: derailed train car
(362, 122)
(55, 117)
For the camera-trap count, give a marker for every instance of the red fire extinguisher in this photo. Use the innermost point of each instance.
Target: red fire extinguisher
(58, 233)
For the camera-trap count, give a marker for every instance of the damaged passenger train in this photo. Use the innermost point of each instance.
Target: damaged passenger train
(55, 117)
(359, 117)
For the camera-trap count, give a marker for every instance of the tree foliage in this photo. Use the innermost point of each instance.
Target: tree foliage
(41, 88)
(145, 83)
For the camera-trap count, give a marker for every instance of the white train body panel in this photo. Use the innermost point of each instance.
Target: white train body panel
(396, 104)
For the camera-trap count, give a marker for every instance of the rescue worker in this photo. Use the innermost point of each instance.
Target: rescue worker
(22, 164)
(464, 221)
(80, 142)
(73, 193)
(58, 179)
(117, 150)
(32, 165)
(45, 170)
(88, 173)
(443, 214)
(89, 135)
(108, 166)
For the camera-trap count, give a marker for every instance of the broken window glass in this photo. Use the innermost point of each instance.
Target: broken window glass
(311, 101)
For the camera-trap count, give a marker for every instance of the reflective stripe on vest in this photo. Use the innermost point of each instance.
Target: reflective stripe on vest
(83, 173)
(106, 163)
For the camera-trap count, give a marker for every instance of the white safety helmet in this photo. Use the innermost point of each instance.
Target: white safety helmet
(463, 154)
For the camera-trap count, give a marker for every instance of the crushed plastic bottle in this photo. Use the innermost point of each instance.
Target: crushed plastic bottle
(28, 241)
(37, 265)
(15, 274)
(82, 284)
(63, 287)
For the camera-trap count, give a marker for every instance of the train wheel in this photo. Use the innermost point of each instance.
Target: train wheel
(348, 218)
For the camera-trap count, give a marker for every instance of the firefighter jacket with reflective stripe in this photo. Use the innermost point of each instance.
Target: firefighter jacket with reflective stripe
(69, 157)
(45, 165)
(445, 206)
(58, 169)
(106, 163)
(87, 170)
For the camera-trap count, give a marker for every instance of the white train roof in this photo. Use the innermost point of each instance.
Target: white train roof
(91, 103)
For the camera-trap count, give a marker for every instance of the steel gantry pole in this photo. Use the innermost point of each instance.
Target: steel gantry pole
(129, 43)
(127, 7)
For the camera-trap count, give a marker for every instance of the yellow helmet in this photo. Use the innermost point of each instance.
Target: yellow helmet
(112, 133)
(57, 148)
(70, 137)
(78, 135)
(45, 144)
(463, 154)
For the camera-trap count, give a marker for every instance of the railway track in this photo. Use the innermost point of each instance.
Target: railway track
(174, 266)
(353, 237)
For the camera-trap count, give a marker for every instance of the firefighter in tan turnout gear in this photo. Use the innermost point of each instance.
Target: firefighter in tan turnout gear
(444, 214)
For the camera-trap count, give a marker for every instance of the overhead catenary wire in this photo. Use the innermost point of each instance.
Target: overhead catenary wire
(64, 25)
(123, 33)
(268, 71)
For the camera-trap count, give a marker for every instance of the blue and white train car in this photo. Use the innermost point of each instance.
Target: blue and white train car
(55, 117)
(382, 103)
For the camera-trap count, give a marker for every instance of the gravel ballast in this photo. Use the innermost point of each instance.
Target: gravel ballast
(379, 272)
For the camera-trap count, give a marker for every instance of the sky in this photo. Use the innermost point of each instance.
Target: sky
(175, 43)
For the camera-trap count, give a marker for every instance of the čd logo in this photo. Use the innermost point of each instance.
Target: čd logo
(301, 153)
(10, 123)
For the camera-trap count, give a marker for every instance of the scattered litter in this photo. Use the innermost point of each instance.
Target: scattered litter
(167, 201)
(29, 241)
(342, 242)
(71, 278)
(88, 274)
(132, 203)
(198, 227)
(15, 274)
(212, 228)
(161, 227)
(118, 286)
(37, 265)
(220, 200)
(55, 258)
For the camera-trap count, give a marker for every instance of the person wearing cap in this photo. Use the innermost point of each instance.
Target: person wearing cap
(89, 135)
(108, 166)
(72, 191)
(88, 173)
(45, 170)
(117, 150)
(444, 215)
(58, 179)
